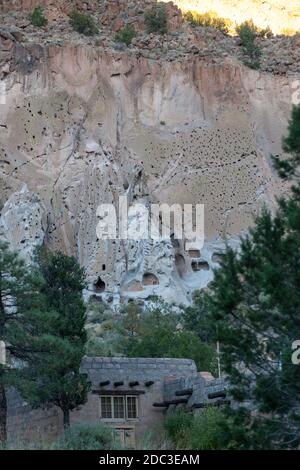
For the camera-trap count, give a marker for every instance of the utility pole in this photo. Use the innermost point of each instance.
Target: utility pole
(2, 353)
(219, 360)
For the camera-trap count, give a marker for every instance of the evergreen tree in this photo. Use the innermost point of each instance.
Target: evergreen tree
(158, 332)
(19, 299)
(254, 311)
(52, 377)
(247, 32)
(156, 19)
(289, 167)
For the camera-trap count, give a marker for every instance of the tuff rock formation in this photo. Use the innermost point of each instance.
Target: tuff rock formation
(82, 125)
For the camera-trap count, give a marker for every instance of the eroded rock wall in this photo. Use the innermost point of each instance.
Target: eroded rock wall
(81, 127)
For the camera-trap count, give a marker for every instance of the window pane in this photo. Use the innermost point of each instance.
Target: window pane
(119, 412)
(132, 407)
(106, 411)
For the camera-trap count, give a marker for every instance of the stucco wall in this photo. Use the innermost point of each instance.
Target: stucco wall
(128, 370)
(27, 424)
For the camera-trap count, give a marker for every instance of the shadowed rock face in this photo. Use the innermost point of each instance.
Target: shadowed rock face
(81, 127)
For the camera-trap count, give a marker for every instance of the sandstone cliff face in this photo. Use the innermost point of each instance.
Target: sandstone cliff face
(80, 127)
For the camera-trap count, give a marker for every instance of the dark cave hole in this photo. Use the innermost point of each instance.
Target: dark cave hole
(99, 285)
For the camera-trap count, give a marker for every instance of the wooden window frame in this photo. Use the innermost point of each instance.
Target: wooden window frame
(112, 407)
(136, 406)
(125, 407)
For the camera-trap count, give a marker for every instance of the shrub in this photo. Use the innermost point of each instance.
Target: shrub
(202, 431)
(37, 18)
(102, 325)
(209, 19)
(247, 32)
(265, 32)
(176, 426)
(156, 19)
(126, 35)
(206, 432)
(86, 437)
(83, 24)
(18, 444)
(155, 333)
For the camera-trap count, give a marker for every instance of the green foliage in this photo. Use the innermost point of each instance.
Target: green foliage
(104, 331)
(289, 168)
(126, 35)
(265, 32)
(87, 437)
(209, 19)
(19, 444)
(254, 309)
(176, 426)
(195, 318)
(247, 32)
(201, 431)
(157, 332)
(83, 23)
(37, 18)
(156, 19)
(52, 376)
(64, 281)
(19, 302)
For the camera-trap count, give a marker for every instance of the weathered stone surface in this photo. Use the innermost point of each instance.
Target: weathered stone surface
(172, 119)
(23, 222)
(82, 127)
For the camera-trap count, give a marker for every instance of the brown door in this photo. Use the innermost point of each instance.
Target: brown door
(126, 437)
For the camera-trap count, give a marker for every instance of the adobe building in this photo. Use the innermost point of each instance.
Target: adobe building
(131, 395)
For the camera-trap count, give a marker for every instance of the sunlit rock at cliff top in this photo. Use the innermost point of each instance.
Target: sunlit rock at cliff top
(280, 15)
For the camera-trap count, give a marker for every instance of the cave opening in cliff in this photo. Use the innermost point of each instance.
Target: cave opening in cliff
(180, 265)
(150, 279)
(200, 266)
(175, 242)
(99, 286)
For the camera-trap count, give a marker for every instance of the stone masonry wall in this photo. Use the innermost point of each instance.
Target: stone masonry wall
(45, 425)
(196, 392)
(26, 424)
(128, 370)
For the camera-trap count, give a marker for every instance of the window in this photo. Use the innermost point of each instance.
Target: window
(106, 408)
(118, 407)
(112, 407)
(132, 412)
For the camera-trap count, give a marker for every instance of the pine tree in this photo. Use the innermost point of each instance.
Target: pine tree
(52, 377)
(254, 311)
(289, 167)
(157, 331)
(19, 295)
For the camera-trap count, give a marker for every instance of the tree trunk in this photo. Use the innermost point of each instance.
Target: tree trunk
(3, 401)
(3, 412)
(66, 419)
